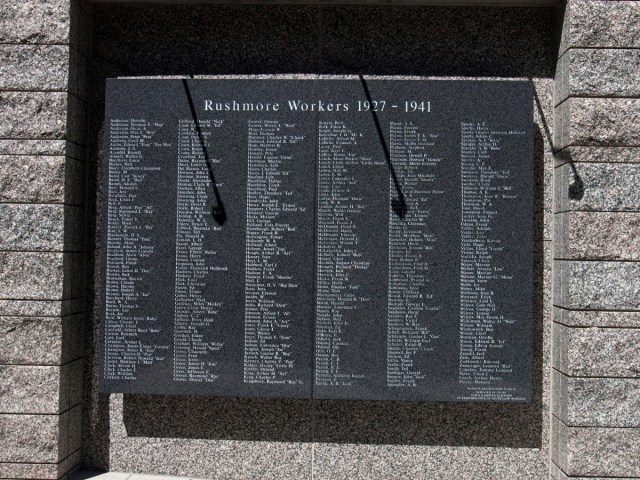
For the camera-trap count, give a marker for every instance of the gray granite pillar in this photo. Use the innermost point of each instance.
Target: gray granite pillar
(596, 349)
(43, 51)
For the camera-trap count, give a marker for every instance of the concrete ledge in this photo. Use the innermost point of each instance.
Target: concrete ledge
(596, 352)
(593, 452)
(597, 402)
(597, 285)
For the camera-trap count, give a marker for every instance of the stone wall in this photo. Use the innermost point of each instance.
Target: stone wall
(43, 64)
(588, 227)
(596, 350)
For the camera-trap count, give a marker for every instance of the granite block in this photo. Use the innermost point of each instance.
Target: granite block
(598, 155)
(32, 179)
(33, 115)
(32, 438)
(34, 22)
(601, 23)
(598, 186)
(597, 236)
(30, 389)
(598, 122)
(597, 285)
(43, 227)
(40, 340)
(45, 471)
(597, 402)
(593, 452)
(32, 147)
(34, 67)
(597, 352)
(31, 275)
(51, 276)
(598, 73)
(594, 318)
(41, 308)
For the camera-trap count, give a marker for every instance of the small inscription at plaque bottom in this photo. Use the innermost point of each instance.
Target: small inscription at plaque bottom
(330, 239)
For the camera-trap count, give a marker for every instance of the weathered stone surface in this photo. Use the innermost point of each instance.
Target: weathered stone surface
(33, 114)
(31, 275)
(40, 227)
(591, 452)
(34, 22)
(599, 402)
(51, 276)
(33, 438)
(596, 352)
(597, 285)
(42, 179)
(598, 155)
(594, 318)
(46, 471)
(33, 147)
(32, 179)
(34, 67)
(601, 23)
(597, 121)
(39, 340)
(41, 308)
(597, 236)
(598, 73)
(598, 186)
(30, 389)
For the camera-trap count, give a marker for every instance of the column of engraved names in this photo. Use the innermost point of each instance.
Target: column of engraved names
(271, 221)
(195, 353)
(410, 241)
(129, 250)
(482, 182)
(339, 257)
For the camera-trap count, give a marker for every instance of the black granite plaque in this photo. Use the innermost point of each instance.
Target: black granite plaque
(335, 239)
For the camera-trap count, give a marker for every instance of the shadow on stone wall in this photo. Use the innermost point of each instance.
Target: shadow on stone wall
(370, 40)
